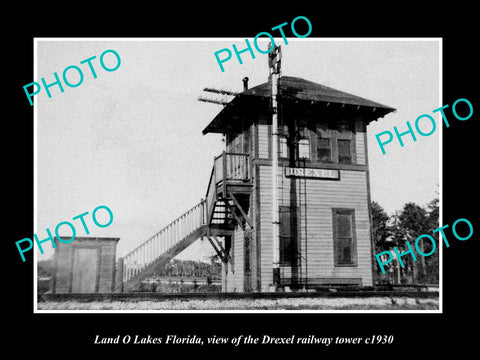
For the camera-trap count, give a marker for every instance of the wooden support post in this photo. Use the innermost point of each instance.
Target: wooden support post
(224, 165)
(222, 249)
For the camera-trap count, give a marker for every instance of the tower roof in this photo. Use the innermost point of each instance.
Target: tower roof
(298, 90)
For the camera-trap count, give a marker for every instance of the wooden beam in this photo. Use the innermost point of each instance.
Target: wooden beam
(245, 216)
(218, 247)
(214, 101)
(218, 251)
(234, 213)
(220, 231)
(220, 91)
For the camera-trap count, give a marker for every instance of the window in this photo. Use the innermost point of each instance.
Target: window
(324, 150)
(286, 235)
(304, 149)
(344, 151)
(344, 238)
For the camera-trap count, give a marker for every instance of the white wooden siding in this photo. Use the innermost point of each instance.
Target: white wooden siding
(322, 196)
(235, 272)
(360, 147)
(263, 141)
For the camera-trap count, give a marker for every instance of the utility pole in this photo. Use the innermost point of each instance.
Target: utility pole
(274, 64)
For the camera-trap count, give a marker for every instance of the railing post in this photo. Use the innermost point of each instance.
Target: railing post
(164, 241)
(174, 231)
(224, 164)
(169, 236)
(144, 255)
(160, 243)
(205, 212)
(151, 249)
(147, 252)
(183, 227)
(179, 229)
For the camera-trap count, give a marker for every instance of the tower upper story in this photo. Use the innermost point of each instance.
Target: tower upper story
(318, 126)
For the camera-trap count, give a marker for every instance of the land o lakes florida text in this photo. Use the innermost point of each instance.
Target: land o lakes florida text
(243, 339)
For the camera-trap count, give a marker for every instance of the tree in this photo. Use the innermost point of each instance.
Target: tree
(433, 214)
(45, 268)
(433, 262)
(413, 221)
(382, 236)
(380, 229)
(407, 225)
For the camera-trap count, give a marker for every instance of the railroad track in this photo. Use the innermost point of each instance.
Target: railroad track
(156, 296)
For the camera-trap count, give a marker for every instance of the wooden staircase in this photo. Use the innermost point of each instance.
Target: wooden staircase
(146, 259)
(225, 206)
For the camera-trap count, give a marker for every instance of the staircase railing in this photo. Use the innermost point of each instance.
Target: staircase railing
(146, 253)
(227, 167)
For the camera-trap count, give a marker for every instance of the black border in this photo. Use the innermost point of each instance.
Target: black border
(414, 334)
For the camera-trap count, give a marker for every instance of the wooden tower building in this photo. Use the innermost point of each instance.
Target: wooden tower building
(323, 225)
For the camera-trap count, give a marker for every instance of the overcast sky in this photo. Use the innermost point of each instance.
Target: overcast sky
(131, 139)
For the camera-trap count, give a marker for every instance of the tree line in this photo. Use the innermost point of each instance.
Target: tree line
(190, 268)
(175, 267)
(405, 225)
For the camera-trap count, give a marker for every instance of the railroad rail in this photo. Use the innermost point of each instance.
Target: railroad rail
(419, 293)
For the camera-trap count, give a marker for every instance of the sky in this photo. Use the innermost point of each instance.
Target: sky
(131, 138)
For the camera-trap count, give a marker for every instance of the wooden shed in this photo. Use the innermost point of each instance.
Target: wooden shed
(85, 265)
(323, 188)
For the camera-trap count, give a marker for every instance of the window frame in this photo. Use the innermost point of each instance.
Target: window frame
(345, 131)
(330, 148)
(350, 142)
(335, 238)
(323, 131)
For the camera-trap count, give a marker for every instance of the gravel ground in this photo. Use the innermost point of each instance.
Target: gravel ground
(376, 303)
